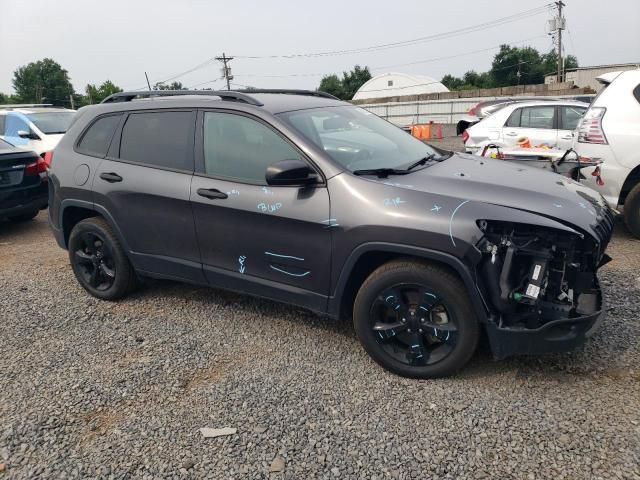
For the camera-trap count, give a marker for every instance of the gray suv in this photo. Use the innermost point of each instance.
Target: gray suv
(301, 198)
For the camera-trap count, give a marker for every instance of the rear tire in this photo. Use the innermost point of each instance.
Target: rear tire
(25, 217)
(632, 211)
(416, 319)
(99, 262)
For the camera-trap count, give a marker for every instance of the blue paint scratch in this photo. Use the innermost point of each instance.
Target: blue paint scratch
(451, 221)
(289, 273)
(393, 202)
(283, 256)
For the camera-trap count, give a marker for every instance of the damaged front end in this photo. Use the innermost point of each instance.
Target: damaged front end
(541, 286)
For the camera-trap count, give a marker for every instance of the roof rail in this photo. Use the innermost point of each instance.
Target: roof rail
(224, 95)
(310, 93)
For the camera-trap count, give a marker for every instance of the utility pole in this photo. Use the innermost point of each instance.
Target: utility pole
(559, 27)
(147, 77)
(226, 70)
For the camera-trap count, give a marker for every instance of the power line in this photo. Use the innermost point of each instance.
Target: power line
(429, 38)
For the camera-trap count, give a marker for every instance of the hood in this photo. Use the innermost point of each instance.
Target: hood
(498, 182)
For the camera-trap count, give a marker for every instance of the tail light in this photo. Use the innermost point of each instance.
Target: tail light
(465, 136)
(472, 110)
(590, 128)
(48, 158)
(36, 168)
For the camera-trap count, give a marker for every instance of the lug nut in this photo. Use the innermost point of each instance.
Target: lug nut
(422, 320)
(420, 330)
(404, 320)
(409, 330)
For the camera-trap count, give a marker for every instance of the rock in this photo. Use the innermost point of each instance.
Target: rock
(188, 464)
(259, 429)
(217, 432)
(335, 471)
(277, 465)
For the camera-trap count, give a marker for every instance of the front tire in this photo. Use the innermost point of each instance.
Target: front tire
(632, 211)
(416, 320)
(99, 262)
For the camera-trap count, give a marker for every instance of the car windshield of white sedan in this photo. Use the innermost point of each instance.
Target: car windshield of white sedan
(51, 123)
(358, 139)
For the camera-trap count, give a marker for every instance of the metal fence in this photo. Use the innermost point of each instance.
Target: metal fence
(438, 111)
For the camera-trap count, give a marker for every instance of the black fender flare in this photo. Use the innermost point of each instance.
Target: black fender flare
(103, 212)
(456, 264)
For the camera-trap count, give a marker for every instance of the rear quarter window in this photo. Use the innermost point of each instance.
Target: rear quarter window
(636, 93)
(97, 138)
(160, 139)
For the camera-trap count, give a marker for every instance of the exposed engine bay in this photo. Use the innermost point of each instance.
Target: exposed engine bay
(532, 276)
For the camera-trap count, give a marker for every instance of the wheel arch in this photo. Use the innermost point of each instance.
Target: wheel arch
(631, 181)
(367, 257)
(74, 211)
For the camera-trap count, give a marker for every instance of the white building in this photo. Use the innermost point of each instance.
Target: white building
(586, 76)
(397, 84)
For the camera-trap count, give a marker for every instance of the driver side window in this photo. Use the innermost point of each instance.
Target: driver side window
(240, 148)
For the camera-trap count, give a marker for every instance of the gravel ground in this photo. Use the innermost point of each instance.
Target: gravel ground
(120, 390)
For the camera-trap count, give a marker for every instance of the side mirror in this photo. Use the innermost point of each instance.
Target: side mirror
(290, 172)
(30, 135)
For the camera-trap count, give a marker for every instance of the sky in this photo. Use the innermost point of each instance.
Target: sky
(121, 40)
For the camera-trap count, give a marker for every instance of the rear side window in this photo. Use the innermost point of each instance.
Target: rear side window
(96, 140)
(514, 119)
(2, 117)
(537, 117)
(161, 139)
(570, 116)
(241, 148)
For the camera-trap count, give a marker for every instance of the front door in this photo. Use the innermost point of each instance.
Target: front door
(272, 241)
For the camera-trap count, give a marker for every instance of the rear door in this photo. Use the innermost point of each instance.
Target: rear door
(144, 184)
(569, 116)
(537, 124)
(272, 241)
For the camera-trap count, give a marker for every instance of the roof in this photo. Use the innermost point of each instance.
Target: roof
(401, 84)
(271, 102)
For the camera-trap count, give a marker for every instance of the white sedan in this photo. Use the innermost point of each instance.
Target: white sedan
(541, 122)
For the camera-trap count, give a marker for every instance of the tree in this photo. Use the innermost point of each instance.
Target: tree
(331, 84)
(170, 86)
(42, 81)
(346, 87)
(550, 62)
(97, 94)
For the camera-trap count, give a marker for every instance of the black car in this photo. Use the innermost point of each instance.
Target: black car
(23, 183)
(301, 198)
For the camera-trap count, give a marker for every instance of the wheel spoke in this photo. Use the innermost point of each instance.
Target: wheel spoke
(387, 331)
(107, 271)
(93, 278)
(83, 257)
(417, 354)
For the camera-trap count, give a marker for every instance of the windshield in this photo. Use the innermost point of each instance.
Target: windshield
(357, 139)
(4, 145)
(51, 122)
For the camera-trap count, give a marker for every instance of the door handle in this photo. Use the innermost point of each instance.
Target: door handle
(567, 137)
(511, 134)
(212, 193)
(110, 177)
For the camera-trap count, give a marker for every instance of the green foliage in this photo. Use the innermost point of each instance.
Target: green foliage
(511, 66)
(8, 99)
(95, 94)
(44, 81)
(346, 87)
(170, 86)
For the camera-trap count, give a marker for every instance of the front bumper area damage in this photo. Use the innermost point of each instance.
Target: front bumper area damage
(540, 286)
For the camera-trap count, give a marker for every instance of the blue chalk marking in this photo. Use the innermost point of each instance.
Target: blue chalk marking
(451, 221)
(397, 307)
(557, 205)
(289, 273)
(269, 207)
(425, 309)
(241, 260)
(430, 294)
(283, 256)
(436, 208)
(387, 299)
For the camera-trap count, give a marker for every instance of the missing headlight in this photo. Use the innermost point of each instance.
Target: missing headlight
(533, 275)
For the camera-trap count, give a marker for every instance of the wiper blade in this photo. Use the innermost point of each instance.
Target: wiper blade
(422, 161)
(381, 172)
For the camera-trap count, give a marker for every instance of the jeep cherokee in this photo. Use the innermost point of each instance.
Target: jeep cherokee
(301, 198)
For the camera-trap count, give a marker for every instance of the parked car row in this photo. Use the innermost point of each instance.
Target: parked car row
(28, 134)
(608, 130)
